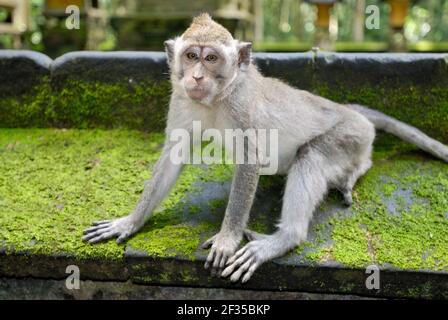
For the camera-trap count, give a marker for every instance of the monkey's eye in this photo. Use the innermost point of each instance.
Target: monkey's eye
(192, 55)
(211, 58)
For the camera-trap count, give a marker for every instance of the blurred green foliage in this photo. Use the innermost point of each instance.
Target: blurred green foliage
(292, 20)
(287, 24)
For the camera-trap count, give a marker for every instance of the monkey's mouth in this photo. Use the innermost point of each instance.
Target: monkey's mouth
(197, 93)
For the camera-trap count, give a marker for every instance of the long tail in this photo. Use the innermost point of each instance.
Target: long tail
(403, 131)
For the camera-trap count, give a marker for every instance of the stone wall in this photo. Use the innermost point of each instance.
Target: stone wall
(131, 89)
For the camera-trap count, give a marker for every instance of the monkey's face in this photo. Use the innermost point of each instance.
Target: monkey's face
(204, 72)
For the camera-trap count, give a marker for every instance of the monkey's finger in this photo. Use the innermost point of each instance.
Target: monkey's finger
(95, 228)
(122, 237)
(227, 271)
(217, 259)
(94, 234)
(243, 258)
(103, 236)
(96, 223)
(237, 274)
(209, 258)
(250, 272)
(223, 261)
(238, 254)
(207, 244)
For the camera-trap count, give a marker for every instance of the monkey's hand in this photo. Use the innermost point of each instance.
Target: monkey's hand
(121, 228)
(223, 245)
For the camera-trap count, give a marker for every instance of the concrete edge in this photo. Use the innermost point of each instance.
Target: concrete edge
(271, 276)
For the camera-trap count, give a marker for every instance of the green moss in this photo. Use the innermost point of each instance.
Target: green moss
(93, 105)
(272, 181)
(82, 105)
(169, 240)
(26, 110)
(259, 226)
(388, 189)
(217, 204)
(194, 209)
(218, 173)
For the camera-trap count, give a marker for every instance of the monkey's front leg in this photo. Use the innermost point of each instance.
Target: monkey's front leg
(306, 186)
(224, 244)
(164, 176)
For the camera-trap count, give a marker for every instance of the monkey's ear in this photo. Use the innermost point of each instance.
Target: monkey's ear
(169, 49)
(244, 55)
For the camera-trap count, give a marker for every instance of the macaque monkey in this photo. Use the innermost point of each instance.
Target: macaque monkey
(322, 145)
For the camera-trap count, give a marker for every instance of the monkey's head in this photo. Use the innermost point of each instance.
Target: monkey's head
(206, 59)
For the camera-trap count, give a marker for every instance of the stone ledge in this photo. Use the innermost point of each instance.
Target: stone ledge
(273, 276)
(110, 66)
(353, 69)
(32, 289)
(296, 68)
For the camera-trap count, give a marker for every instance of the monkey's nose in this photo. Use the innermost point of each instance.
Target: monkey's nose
(198, 79)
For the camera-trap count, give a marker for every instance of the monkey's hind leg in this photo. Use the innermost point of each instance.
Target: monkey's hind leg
(306, 185)
(363, 164)
(346, 187)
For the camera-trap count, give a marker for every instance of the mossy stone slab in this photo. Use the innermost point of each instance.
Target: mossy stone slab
(54, 183)
(131, 89)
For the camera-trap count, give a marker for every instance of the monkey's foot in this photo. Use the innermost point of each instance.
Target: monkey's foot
(223, 246)
(121, 228)
(255, 253)
(246, 261)
(347, 195)
(348, 199)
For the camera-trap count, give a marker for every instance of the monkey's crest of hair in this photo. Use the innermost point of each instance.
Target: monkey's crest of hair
(203, 29)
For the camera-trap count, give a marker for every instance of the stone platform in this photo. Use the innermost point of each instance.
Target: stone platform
(100, 116)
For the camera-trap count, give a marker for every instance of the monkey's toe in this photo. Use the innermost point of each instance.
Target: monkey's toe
(244, 262)
(223, 246)
(348, 199)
